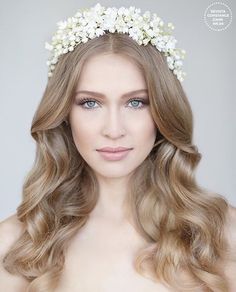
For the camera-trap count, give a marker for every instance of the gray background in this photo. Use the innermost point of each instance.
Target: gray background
(210, 64)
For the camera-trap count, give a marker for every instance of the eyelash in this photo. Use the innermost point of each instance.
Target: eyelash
(84, 100)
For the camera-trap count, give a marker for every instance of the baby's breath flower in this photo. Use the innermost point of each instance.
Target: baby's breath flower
(92, 22)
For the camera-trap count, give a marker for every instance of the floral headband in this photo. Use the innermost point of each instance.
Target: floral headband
(95, 21)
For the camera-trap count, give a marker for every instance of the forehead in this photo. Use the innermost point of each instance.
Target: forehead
(110, 71)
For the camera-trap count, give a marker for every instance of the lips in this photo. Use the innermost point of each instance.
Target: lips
(112, 150)
(114, 156)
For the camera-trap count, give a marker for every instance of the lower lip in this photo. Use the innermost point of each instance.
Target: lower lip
(113, 156)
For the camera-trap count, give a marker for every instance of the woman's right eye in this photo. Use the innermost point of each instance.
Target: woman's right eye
(87, 101)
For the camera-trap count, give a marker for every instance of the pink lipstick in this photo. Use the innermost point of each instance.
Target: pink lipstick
(114, 154)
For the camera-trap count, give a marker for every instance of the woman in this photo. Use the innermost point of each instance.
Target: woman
(94, 218)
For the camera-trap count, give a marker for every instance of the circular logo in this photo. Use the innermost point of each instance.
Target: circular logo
(218, 16)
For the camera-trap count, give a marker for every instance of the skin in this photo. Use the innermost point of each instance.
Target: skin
(112, 121)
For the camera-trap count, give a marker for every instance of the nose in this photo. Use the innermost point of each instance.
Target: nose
(113, 124)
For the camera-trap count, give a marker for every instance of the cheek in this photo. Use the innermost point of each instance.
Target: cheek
(145, 128)
(82, 136)
(82, 131)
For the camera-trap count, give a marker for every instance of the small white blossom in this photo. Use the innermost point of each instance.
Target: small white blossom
(71, 48)
(48, 46)
(170, 25)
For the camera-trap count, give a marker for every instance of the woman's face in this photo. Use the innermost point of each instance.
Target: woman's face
(111, 119)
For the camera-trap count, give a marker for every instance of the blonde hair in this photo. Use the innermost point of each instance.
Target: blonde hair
(182, 222)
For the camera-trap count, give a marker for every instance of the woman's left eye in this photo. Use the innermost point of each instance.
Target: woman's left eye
(134, 101)
(137, 101)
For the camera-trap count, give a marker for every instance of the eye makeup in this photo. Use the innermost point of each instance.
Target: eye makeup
(85, 101)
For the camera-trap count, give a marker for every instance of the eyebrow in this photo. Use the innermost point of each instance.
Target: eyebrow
(101, 95)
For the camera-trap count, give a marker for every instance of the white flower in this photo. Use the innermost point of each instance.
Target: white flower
(93, 22)
(62, 24)
(48, 46)
(147, 15)
(170, 25)
(108, 23)
(99, 32)
(135, 33)
(178, 64)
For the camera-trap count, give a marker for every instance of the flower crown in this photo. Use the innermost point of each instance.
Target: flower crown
(95, 21)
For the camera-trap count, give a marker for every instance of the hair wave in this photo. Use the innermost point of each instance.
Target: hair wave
(182, 222)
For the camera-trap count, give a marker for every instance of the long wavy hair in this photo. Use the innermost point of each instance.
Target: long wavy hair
(182, 222)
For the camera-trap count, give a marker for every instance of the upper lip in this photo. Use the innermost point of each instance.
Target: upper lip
(112, 149)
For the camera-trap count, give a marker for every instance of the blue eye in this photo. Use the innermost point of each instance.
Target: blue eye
(88, 102)
(134, 101)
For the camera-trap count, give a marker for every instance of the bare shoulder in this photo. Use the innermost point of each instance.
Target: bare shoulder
(10, 230)
(230, 227)
(229, 266)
